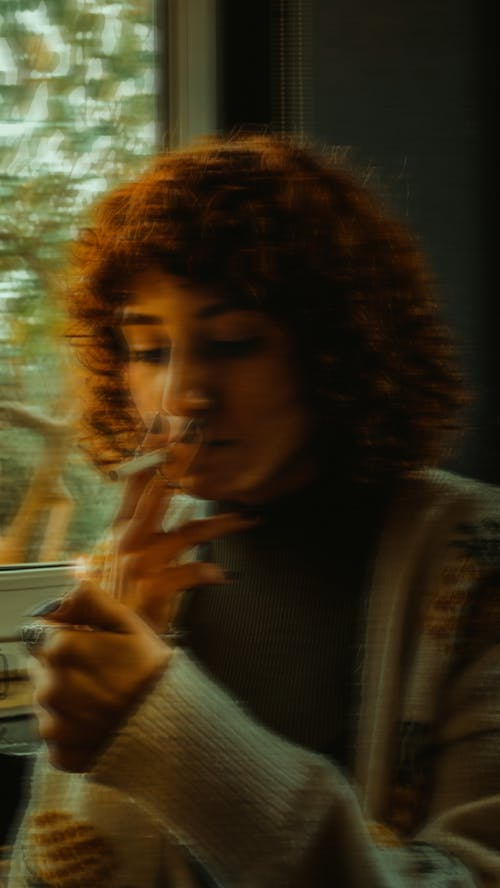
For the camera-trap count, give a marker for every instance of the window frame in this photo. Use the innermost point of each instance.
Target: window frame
(188, 65)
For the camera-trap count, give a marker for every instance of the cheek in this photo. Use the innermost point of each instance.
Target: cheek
(272, 408)
(146, 388)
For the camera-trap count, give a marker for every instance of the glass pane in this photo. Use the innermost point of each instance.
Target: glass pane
(77, 113)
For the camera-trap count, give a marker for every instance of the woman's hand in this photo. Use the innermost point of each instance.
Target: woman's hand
(86, 680)
(146, 574)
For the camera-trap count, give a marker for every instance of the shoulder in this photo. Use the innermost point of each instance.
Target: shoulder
(437, 516)
(458, 505)
(438, 484)
(442, 540)
(458, 574)
(461, 517)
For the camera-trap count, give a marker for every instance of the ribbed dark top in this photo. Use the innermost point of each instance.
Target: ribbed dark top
(283, 638)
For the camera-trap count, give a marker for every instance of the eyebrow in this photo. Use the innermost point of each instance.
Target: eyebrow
(213, 309)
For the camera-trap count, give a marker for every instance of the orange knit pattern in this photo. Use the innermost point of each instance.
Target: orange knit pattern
(66, 853)
(383, 835)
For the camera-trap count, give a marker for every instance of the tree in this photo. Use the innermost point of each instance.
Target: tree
(77, 114)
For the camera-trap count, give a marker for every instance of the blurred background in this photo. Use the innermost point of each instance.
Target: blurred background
(78, 112)
(89, 90)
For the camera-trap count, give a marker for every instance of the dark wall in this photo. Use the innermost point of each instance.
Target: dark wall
(245, 57)
(411, 87)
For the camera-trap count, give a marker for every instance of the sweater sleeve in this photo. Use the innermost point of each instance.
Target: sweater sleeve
(78, 834)
(254, 809)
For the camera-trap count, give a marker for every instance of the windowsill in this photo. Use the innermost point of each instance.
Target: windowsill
(22, 588)
(18, 700)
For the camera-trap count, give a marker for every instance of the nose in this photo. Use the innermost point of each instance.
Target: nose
(187, 391)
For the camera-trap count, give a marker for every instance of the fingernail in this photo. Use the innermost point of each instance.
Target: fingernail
(251, 515)
(215, 574)
(46, 607)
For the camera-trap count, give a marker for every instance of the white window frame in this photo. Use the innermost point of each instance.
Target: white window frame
(23, 587)
(191, 71)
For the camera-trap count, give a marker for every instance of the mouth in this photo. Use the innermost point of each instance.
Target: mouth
(218, 442)
(207, 459)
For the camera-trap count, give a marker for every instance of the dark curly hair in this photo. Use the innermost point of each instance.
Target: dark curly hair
(276, 227)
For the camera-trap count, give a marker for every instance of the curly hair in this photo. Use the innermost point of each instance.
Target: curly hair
(292, 233)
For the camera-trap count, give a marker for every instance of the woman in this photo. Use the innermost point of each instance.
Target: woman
(321, 706)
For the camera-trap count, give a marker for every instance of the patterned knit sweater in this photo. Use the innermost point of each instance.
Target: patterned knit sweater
(192, 775)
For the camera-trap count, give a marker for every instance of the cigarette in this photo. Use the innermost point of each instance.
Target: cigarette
(139, 464)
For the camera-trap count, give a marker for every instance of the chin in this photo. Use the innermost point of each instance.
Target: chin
(209, 490)
(238, 490)
(251, 487)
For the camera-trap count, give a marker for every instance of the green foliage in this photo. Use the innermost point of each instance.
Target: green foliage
(77, 114)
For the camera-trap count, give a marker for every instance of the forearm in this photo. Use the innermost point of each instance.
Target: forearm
(253, 808)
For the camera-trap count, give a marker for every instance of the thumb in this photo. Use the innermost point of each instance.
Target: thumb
(88, 605)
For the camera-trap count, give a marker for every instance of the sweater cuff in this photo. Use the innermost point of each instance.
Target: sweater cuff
(248, 804)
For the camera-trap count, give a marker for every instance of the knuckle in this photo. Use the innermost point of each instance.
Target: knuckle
(46, 695)
(58, 646)
(49, 727)
(129, 565)
(192, 532)
(201, 572)
(119, 545)
(34, 670)
(177, 534)
(65, 758)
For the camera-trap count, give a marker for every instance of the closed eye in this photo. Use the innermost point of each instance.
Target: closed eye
(150, 355)
(233, 348)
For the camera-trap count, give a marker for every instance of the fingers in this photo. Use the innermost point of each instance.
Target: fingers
(144, 535)
(87, 605)
(131, 492)
(74, 759)
(54, 693)
(157, 606)
(136, 484)
(195, 573)
(70, 742)
(147, 575)
(147, 518)
(76, 646)
(146, 486)
(73, 734)
(85, 680)
(157, 553)
(202, 530)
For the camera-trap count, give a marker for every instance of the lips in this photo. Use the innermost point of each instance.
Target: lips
(218, 442)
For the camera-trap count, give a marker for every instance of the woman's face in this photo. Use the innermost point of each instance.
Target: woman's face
(193, 354)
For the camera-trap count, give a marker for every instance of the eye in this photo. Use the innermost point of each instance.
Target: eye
(233, 348)
(159, 355)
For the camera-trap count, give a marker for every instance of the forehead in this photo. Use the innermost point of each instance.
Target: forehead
(155, 296)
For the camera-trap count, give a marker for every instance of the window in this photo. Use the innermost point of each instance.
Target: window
(77, 113)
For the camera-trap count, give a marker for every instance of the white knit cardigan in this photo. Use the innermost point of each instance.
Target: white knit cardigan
(192, 777)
